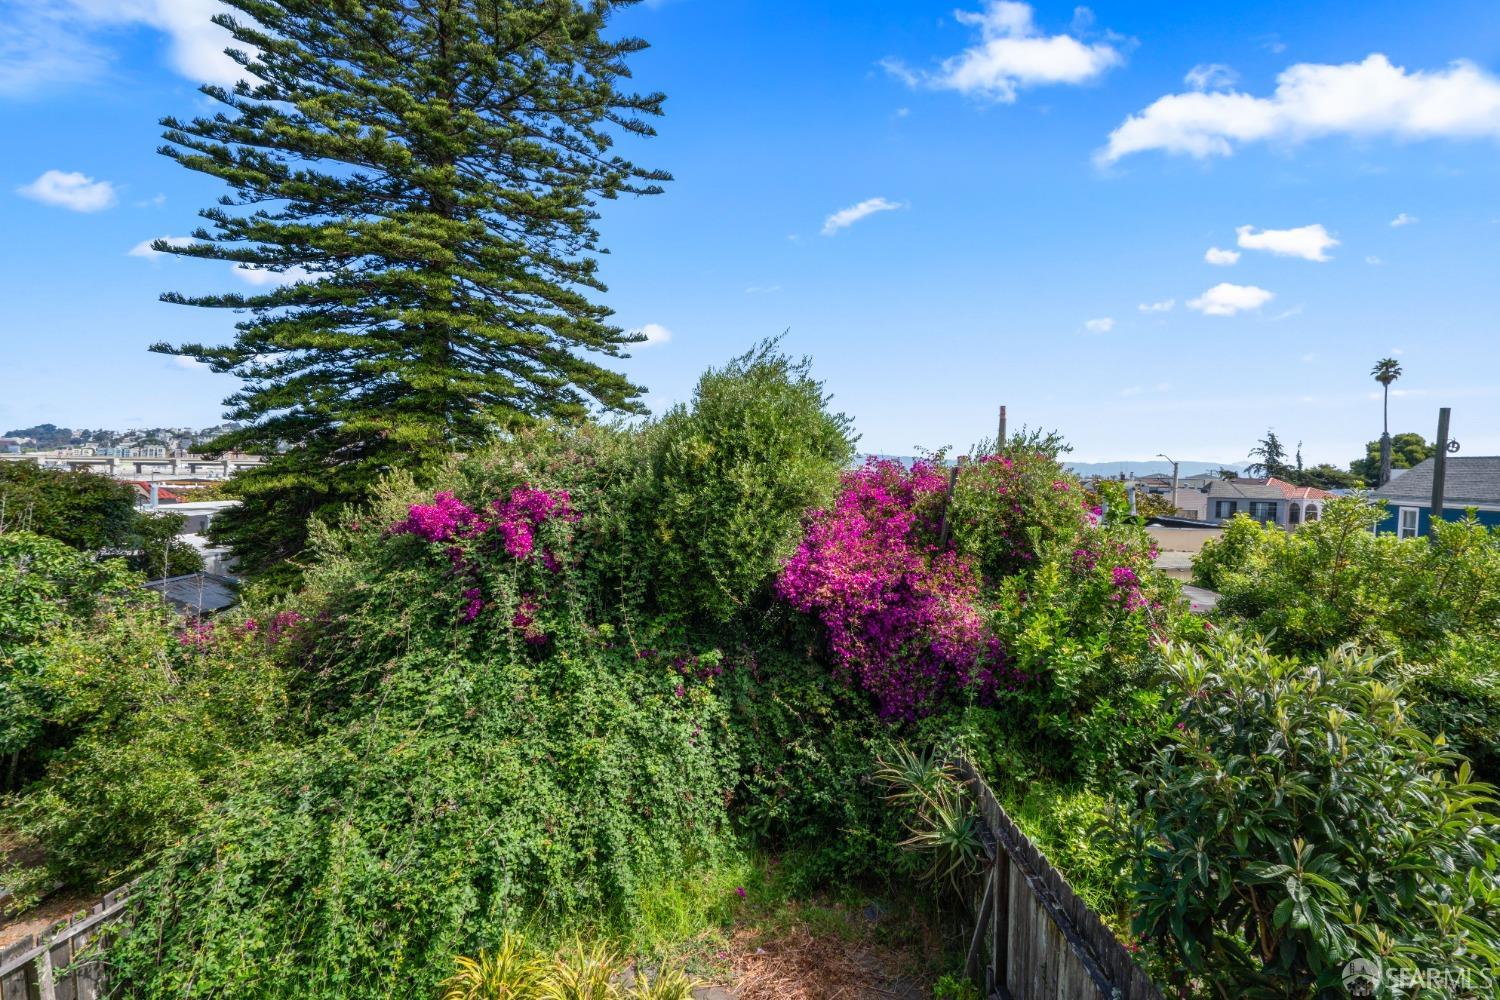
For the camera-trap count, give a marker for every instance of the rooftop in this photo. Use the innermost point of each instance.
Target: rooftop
(1470, 480)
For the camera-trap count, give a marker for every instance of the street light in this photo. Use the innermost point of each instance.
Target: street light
(1174, 478)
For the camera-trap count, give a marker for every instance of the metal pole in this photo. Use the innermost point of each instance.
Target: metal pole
(1000, 442)
(1439, 469)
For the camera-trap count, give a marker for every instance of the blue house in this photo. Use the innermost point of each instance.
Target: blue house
(1467, 483)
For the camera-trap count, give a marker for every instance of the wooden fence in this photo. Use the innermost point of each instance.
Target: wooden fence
(1034, 939)
(59, 964)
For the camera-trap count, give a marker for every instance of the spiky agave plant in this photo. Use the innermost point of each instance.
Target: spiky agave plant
(909, 777)
(939, 814)
(509, 972)
(583, 972)
(668, 984)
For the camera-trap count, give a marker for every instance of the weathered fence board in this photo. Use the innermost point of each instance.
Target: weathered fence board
(62, 963)
(1044, 943)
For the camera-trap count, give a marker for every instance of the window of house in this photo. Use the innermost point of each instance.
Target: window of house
(1294, 514)
(1312, 512)
(1263, 510)
(1408, 525)
(1226, 508)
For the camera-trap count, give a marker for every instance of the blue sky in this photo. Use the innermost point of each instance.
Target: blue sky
(948, 207)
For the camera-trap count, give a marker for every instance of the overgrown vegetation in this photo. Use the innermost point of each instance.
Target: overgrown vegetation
(552, 693)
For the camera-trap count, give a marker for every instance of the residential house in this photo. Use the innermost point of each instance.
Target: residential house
(1227, 497)
(1470, 482)
(1304, 503)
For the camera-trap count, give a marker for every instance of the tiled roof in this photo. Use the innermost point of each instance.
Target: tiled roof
(1292, 492)
(1234, 489)
(1467, 480)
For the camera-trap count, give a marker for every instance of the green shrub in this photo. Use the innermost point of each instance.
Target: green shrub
(81, 509)
(806, 746)
(1458, 695)
(1082, 632)
(487, 752)
(157, 720)
(1008, 508)
(159, 553)
(730, 478)
(1334, 581)
(1298, 821)
(1231, 552)
(47, 589)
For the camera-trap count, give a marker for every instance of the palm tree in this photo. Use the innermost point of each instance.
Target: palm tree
(1386, 371)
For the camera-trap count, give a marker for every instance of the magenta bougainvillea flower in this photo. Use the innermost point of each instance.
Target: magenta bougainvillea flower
(901, 617)
(516, 520)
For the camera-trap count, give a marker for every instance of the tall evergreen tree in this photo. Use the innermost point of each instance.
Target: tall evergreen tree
(414, 186)
(1272, 457)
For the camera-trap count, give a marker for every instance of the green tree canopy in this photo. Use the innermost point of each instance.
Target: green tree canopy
(80, 509)
(159, 552)
(1270, 456)
(1326, 476)
(419, 184)
(1407, 450)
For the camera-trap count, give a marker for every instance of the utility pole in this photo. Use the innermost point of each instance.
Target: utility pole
(1439, 471)
(1000, 441)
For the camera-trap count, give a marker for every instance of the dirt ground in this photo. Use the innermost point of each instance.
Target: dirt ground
(822, 951)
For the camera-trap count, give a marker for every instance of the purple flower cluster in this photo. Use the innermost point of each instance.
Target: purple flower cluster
(451, 522)
(518, 518)
(901, 617)
(443, 520)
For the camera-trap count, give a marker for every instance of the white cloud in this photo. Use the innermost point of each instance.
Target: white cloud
(1225, 299)
(1132, 390)
(1308, 242)
(50, 42)
(186, 363)
(1210, 76)
(1403, 220)
(655, 334)
(71, 190)
(261, 277)
(846, 217)
(1374, 260)
(762, 289)
(1221, 258)
(1369, 98)
(143, 248)
(1295, 310)
(1103, 324)
(1165, 305)
(1011, 54)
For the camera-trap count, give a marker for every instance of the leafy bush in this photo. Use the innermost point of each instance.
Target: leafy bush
(485, 756)
(80, 509)
(157, 719)
(806, 744)
(578, 972)
(1434, 604)
(1010, 506)
(46, 588)
(730, 478)
(159, 553)
(1298, 821)
(1083, 630)
(1334, 581)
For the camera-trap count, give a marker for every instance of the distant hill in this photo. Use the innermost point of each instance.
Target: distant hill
(1112, 468)
(1147, 467)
